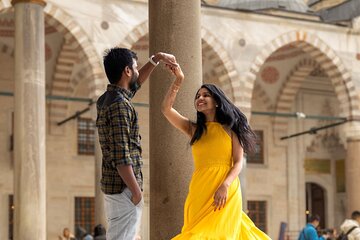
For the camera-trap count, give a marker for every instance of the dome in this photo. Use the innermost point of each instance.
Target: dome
(290, 5)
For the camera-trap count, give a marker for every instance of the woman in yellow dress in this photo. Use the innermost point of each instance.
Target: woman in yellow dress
(213, 208)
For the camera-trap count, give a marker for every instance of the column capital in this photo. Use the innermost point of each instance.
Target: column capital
(39, 2)
(352, 131)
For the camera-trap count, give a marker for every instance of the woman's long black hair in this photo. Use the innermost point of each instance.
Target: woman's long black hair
(229, 115)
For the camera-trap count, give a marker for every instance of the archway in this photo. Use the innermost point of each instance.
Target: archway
(76, 47)
(316, 202)
(321, 54)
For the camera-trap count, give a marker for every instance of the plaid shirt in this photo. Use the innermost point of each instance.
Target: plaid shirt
(118, 128)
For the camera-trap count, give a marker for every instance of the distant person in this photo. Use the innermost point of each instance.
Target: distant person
(67, 235)
(87, 236)
(82, 234)
(99, 232)
(330, 232)
(309, 231)
(351, 227)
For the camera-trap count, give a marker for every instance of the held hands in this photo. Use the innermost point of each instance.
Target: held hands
(166, 58)
(220, 197)
(173, 67)
(170, 62)
(176, 71)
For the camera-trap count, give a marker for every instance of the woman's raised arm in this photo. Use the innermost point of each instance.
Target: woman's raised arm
(174, 117)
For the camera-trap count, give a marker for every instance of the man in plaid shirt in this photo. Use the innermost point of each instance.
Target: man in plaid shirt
(118, 128)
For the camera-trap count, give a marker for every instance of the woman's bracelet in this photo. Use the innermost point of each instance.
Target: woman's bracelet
(175, 88)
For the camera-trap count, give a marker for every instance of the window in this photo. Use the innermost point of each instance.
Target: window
(86, 136)
(257, 213)
(258, 156)
(11, 217)
(85, 213)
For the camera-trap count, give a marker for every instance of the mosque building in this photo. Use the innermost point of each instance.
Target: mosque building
(292, 66)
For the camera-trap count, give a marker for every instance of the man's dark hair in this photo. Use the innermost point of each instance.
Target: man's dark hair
(314, 218)
(355, 215)
(115, 61)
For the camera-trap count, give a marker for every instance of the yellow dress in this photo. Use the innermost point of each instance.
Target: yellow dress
(213, 159)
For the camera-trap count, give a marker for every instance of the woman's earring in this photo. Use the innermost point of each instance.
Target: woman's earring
(217, 105)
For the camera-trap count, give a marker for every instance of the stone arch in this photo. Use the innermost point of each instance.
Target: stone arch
(5, 49)
(313, 178)
(75, 41)
(224, 66)
(4, 4)
(61, 83)
(79, 76)
(287, 94)
(264, 98)
(211, 47)
(76, 46)
(329, 194)
(135, 35)
(324, 56)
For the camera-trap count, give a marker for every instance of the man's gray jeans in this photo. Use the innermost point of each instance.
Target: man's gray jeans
(123, 216)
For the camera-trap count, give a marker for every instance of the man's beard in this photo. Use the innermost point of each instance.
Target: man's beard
(133, 81)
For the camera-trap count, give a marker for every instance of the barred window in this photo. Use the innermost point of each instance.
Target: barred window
(11, 217)
(86, 136)
(258, 156)
(257, 213)
(85, 213)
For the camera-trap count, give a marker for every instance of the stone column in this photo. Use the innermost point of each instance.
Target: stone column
(30, 125)
(293, 152)
(174, 27)
(100, 216)
(242, 177)
(352, 175)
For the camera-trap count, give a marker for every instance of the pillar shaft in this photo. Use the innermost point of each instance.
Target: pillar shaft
(174, 27)
(352, 174)
(242, 177)
(29, 151)
(100, 216)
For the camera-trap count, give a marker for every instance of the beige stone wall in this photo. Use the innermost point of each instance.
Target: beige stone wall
(238, 45)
